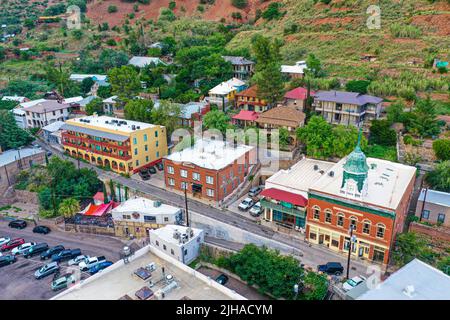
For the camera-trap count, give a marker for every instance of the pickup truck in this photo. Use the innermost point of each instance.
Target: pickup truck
(91, 262)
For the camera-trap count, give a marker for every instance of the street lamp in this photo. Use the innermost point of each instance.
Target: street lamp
(352, 239)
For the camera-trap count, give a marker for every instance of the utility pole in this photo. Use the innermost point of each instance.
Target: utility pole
(423, 202)
(349, 251)
(186, 205)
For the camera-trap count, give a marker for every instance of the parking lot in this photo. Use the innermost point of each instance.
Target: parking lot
(18, 281)
(234, 208)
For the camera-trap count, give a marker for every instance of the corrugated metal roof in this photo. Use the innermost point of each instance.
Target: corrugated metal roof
(347, 97)
(436, 197)
(95, 133)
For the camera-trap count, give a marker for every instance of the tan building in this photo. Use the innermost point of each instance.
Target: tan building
(282, 117)
(436, 208)
(136, 217)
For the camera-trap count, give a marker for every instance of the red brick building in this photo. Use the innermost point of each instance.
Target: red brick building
(371, 195)
(211, 170)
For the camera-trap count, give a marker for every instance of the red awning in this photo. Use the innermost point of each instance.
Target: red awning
(98, 211)
(285, 196)
(246, 115)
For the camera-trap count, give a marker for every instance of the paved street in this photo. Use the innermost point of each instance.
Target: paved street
(17, 280)
(312, 255)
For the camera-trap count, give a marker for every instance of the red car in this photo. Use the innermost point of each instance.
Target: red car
(12, 244)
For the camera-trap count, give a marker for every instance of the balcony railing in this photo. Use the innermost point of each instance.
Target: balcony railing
(292, 211)
(95, 151)
(103, 143)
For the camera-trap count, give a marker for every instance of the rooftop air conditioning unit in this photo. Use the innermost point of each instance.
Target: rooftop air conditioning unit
(176, 234)
(133, 127)
(316, 167)
(331, 173)
(138, 127)
(156, 204)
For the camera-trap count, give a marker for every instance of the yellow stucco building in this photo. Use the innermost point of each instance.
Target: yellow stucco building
(122, 145)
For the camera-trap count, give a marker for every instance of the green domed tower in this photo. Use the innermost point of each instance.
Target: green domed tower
(356, 168)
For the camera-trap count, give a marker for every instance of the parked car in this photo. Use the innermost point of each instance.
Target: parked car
(63, 282)
(66, 255)
(34, 250)
(91, 262)
(7, 260)
(331, 268)
(253, 192)
(77, 260)
(353, 282)
(152, 170)
(41, 229)
(50, 252)
(22, 248)
(256, 210)
(49, 153)
(12, 244)
(144, 175)
(4, 240)
(160, 166)
(100, 266)
(46, 270)
(222, 279)
(246, 204)
(18, 224)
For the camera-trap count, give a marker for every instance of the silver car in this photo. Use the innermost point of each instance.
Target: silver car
(4, 240)
(46, 270)
(76, 261)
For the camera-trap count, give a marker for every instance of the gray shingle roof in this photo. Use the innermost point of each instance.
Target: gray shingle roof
(347, 97)
(237, 60)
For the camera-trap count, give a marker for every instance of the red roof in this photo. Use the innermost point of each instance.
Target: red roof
(100, 210)
(298, 93)
(246, 115)
(99, 196)
(285, 196)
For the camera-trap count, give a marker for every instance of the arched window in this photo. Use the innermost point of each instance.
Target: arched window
(366, 226)
(328, 216)
(380, 230)
(340, 219)
(316, 212)
(353, 221)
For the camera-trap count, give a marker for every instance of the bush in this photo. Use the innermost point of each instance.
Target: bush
(441, 149)
(240, 4)
(272, 12)
(382, 134)
(112, 9)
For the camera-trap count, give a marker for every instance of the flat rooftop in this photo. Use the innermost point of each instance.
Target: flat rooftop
(300, 177)
(167, 233)
(145, 206)
(9, 156)
(119, 280)
(105, 122)
(210, 154)
(387, 182)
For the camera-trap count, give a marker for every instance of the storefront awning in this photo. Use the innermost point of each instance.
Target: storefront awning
(285, 196)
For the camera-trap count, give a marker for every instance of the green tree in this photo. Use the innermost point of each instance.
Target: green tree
(59, 77)
(216, 119)
(167, 115)
(382, 134)
(316, 136)
(124, 82)
(423, 118)
(357, 86)
(314, 66)
(395, 112)
(11, 136)
(105, 194)
(441, 149)
(439, 178)
(69, 207)
(240, 4)
(410, 245)
(112, 190)
(284, 137)
(86, 85)
(139, 110)
(268, 75)
(95, 106)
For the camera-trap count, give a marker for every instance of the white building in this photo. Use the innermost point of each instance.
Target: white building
(414, 281)
(80, 77)
(19, 117)
(39, 113)
(295, 71)
(225, 91)
(141, 62)
(139, 215)
(15, 98)
(179, 242)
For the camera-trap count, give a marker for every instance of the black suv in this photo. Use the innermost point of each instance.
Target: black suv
(66, 255)
(50, 252)
(152, 170)
(5, 260)
(331, 268)
(18, 224)
(41, 229)
(36, 249)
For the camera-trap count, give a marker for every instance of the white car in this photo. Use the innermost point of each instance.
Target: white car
(246, 204)
(256, 210)
(22, 248)
(77, 260)
(353, 282)
(4, 240)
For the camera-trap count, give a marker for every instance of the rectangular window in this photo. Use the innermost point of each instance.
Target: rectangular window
(210, 192)
(156, 134)
(441, 218)
(137, 163)
(209, 180)
(134, 140)
(170, 170)
(166, 219)
(149, 218)
(340, 221)
(157, 144)
(146, 158)
(157, 243)
(171, 182)
(196, 176)
(380, 232)
(164, 247)
(328, 216)
(366, 228)
(145, 137)
(146, 147)
(171, 251)
(135, 151)
(312, 236)
(426, 214)
(157, 154)
(183, 185)
(316, 213)
(183, 173)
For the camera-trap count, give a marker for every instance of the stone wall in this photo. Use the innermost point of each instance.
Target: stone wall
(89, 229)
(435, 232)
